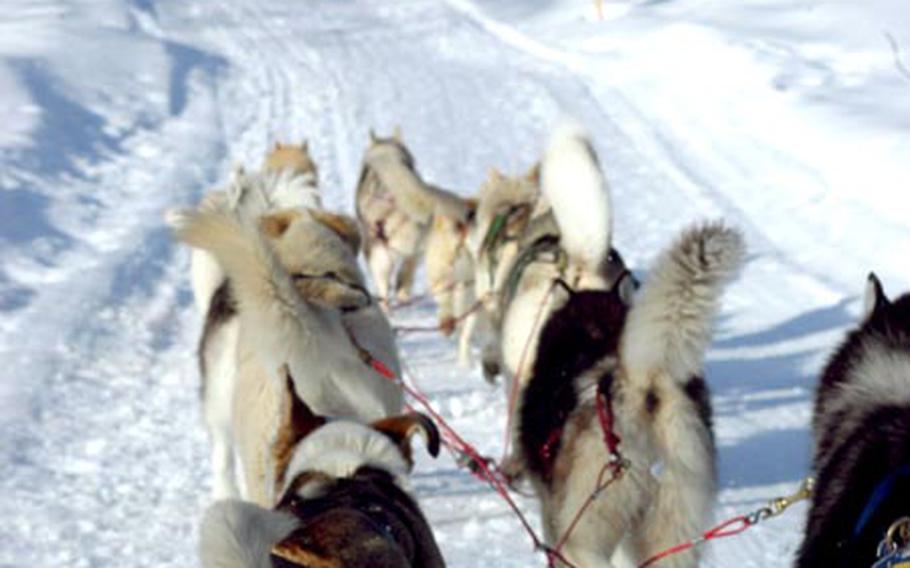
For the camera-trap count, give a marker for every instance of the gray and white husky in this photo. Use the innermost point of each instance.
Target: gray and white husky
(645, 361)
(395, 208)
(862, 438)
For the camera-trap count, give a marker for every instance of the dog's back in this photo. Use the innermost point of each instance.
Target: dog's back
(862, 433)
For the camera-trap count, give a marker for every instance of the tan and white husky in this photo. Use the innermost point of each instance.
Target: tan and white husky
(506, 206)
(395, 208)
(450, 275)
(293, 296)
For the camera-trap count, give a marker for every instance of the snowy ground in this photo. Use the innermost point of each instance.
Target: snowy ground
(789, 119)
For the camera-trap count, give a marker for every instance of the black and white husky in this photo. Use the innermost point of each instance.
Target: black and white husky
(646, 362)
(568, 244)
(862, 435)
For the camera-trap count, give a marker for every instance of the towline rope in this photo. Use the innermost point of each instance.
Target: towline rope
(738, 524)
(483, 467)
(454, 322)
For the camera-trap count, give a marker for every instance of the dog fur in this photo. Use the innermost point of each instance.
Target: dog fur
(861, 427)
(395, 207)
(289, 178)
(574, 251)
(515, 199)
(450, 275)
(299, 293)
(648, 361)
(344, 500)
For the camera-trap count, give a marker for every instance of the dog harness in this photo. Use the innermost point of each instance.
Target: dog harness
(894, 550)
(544, 247)
(498, 234)
(882, 490)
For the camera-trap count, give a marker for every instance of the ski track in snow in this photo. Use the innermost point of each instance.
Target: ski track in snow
(121, 109)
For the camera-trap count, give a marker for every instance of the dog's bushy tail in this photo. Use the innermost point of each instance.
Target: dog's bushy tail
(265, 291)
(235, 534)
(669, 327)
(572, 181)
(257, 276)
(662, 350)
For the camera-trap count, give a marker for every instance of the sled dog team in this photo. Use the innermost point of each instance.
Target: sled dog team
(596, 365)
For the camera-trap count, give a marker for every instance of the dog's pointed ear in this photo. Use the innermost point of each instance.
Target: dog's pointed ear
(275, 224)
(875, 299)
(396, 133)
(402, 428)
(277, 146)
(533, 175)
(494, 174)
(373, 138)
(305, 146)
(345, 227)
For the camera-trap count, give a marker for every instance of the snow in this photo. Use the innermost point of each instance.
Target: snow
(788, 119)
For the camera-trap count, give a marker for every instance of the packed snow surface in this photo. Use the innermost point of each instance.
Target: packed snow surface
(787, 119)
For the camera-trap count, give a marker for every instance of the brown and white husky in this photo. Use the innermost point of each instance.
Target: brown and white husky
(343, 498)
(293, 295)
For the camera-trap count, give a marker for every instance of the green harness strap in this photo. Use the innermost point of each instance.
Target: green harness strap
(543, 245)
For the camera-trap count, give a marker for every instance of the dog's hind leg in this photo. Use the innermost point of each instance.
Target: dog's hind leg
(464, 298)
(405, 279)
(686, 485)
(382, 264)
(217, 401)
(218, 406)
(464, 341)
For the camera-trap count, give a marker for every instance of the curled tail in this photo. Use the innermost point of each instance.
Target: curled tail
(669, 327)
(235, 534)
(662, 350)
(266, 295)
(257, 276)
(574, 185)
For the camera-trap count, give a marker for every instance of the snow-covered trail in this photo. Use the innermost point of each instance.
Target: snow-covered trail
(124, 108)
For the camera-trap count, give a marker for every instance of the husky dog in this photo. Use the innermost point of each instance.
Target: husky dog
(570, 244)
(862, 437)
(395, 207)
(450, 273)
(505, 208)
(343, 499)
(646, 362)
(288, 178)
(294, 296)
